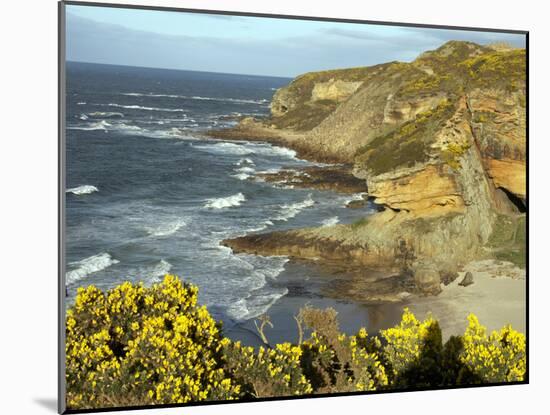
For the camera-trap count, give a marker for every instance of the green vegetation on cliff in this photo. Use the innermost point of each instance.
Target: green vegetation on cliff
(496, 69)
(406, 145)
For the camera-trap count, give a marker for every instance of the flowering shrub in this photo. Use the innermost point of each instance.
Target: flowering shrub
(499, 357)
(267, 372)
(405, 342)
(136, 345)
(336, 362)
(143, 345)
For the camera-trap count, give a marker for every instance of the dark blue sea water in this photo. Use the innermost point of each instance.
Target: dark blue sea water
(146, 195)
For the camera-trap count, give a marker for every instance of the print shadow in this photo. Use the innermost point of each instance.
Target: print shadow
(49, 403)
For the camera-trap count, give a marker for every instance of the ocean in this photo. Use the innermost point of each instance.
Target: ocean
(147, 194)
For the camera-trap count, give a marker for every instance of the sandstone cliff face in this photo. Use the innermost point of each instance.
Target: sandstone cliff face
(510, 175)
(334, 90)
(440, 142)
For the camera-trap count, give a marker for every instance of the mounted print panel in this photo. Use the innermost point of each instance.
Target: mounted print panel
(269, 207)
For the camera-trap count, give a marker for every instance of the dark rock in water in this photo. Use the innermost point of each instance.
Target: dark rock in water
(338, 178)
(357, 204)
(467, 280)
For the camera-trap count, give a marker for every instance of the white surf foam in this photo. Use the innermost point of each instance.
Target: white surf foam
(225, 148)
(245, 161)
(166, 229)
(241, 176)
(88, 266)
(330, 221)
(101, 125)
(80, 103)
(225, 202)
(261, 295)
(236, 100)
(246, 169)
(271, 150)
(137, 94)
(82, 190)
(243, 173)
(122, 127)
(247, 148)
(288, 211)
(99, 114)
(139, 107)
(83, 117)
(156, 273)
(354, 197)
(196, 97)
(255, 305)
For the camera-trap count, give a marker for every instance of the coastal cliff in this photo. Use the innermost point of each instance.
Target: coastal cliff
(441, 145)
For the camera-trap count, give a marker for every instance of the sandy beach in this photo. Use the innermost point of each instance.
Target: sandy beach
(497, 297)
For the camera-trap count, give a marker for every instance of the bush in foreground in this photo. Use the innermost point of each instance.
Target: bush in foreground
(135, 345)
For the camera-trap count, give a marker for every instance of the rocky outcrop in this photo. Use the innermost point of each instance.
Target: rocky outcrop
(467, 280)
(311, 97)
(334, 90)
(406, 189)
(338, 178)
(441, 145)
(510, 175)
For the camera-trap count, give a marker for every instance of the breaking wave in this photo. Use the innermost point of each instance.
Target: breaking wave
(354, 197)
(200, 98)
(167, 229)
(330, 221)
(155, 273)
(245, 161)
(88, 266)
(225, 202)
(99, 114)
(101, 125)
(288, 211)
(82, 190)
(225, 148)
(247, 149)
(139, 107)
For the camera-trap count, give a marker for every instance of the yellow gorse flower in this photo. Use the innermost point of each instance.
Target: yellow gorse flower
(153, 343)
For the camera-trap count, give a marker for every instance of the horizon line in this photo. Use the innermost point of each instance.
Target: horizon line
(181, 70)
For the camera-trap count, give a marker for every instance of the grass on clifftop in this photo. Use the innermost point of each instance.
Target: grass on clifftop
(506, 70)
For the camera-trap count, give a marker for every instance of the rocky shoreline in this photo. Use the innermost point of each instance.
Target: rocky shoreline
(435, 152)
(328, 177)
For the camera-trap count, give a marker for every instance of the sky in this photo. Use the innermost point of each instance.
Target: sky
(246, 45)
